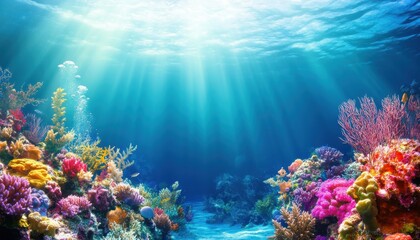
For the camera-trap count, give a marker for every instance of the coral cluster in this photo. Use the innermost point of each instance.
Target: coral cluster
(56, 188)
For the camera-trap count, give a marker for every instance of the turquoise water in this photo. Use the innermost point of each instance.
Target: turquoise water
(205, 88)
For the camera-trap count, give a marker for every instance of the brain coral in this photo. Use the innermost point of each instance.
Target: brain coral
(35, 172)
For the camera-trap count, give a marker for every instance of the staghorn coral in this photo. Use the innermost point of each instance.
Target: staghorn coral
(300, 225)
(42, 225)
(57, 137)
(73, 205)
(333, 200)
(35, 172)
(94, 156)
(119, 158)
(15, 195)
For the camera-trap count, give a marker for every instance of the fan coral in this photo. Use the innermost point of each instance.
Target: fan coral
(73, 205)
(128, 195)
(300, 225)
(101, 198)
(15, 195)
(35, 131)
(72, 166)
(333, 200)
(35, 172)
(40, 202)
(395, 167)
(366, 128)
(42, 225)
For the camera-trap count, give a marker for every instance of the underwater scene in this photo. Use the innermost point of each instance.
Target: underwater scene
(222, 119)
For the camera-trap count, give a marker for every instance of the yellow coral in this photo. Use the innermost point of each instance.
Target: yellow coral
(57, 137)
(3, 146)
(35, 172)
(42, 225)
(94, 156)
(363, 191)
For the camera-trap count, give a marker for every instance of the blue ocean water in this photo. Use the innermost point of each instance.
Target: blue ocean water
(205, 88)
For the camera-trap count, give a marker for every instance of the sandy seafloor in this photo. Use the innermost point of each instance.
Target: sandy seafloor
(199, 229)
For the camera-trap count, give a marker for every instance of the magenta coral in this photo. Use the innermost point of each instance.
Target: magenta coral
(333, 200)
(15, 195)
(72, 166)
(72, 205)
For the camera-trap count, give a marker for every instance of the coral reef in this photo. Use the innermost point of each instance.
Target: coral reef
(300, 225)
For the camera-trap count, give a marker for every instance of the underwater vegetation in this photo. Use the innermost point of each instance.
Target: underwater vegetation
(56, 183)
(374, 195)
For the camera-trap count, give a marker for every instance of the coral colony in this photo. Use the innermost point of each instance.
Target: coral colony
(54, 188)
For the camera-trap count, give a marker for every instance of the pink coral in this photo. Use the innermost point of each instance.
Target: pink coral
(53, 190)
(72, 166)
(366, 128)
(333, 200)
(396, 166)
(72, 205)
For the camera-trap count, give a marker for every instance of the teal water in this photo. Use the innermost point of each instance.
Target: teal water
(205, 88)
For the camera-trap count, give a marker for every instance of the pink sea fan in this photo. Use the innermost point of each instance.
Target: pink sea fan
(333, 200)
(73, 205)
(366, 128)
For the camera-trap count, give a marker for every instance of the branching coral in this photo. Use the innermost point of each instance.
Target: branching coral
(35, 172)
(57, 137)
(10, 98)
(119, 158)
(300, 225)
(73, 205)
(94, 156)
(72, 166)
(15, 195)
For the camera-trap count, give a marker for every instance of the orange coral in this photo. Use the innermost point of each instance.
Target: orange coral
(282, 173)
(35, 172)
(117, 216)
(392, 216)
(399, 236)
(284, 187)
(32, 152)
(295, 165)
(174, 226)
(3, 146)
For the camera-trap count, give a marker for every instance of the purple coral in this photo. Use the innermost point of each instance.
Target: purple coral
(53, 190)
(333, 200)
(40, 201)
(72, 205)
(101, 198)
(306, 197)
(128, 195)
(331, 156)
(15, 195)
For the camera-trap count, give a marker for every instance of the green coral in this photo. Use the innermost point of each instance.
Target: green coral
(57, 137)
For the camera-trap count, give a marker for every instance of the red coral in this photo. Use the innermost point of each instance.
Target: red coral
(18, 119)
(72, 166)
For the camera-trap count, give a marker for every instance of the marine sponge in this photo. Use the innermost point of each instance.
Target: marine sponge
(35, 172)
(73, 205)
(300, 225)
(15, 195)
(333, 200)
(363, 191)
(42, 225)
